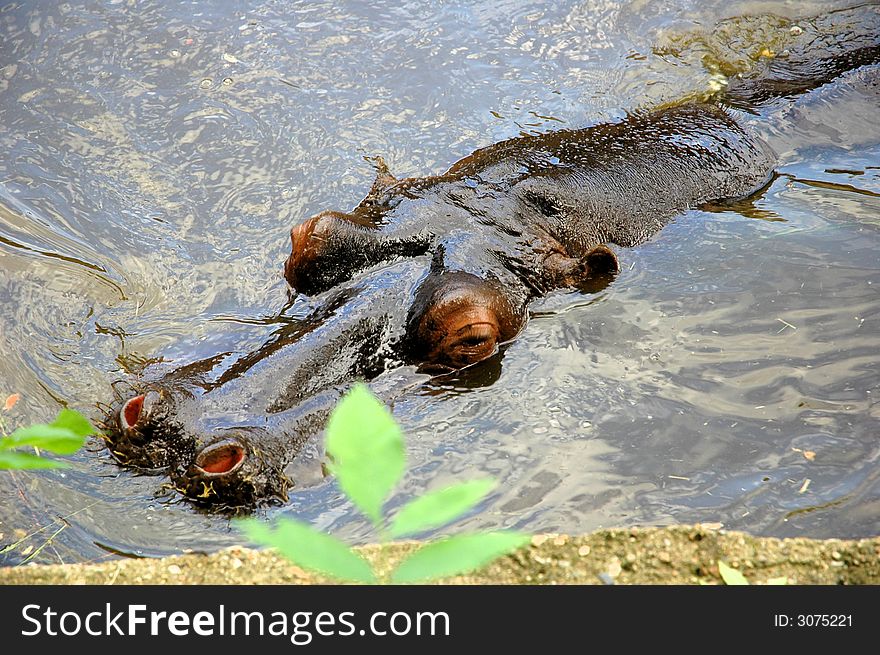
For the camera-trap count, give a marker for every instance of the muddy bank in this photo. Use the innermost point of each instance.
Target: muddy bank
(674, 555)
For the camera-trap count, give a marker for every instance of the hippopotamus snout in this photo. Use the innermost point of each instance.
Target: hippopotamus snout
(229, 467)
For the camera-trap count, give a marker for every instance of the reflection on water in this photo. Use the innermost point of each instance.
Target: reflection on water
(154, 157)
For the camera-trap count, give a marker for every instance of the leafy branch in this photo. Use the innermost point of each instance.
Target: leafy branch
(367, 454)
(63, 436)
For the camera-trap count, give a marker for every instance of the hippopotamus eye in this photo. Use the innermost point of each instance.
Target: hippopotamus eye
(476, 335)
(474, 340)
(457, 320)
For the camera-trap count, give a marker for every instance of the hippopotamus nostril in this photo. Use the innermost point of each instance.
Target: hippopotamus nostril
(220, 458)
(131, 412)
(136, 411)
(239, 468)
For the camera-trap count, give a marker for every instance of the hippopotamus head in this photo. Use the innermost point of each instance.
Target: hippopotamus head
(224, 429)
(434, 273)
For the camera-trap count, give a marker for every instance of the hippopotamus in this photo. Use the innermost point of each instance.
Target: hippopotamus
(437, 272)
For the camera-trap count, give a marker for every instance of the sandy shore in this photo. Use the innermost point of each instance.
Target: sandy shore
(673, 555)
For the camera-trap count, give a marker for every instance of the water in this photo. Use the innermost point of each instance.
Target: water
(155, 155)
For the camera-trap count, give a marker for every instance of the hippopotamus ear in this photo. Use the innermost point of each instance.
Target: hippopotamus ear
(596, 269)
(384, 181)
(590, 272)
(601, 260)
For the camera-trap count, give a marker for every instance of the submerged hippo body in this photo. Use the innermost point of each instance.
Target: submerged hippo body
(522, 217)
(437, 272)
(529, 215)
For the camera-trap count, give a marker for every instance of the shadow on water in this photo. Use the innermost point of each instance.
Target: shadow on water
(154, 158)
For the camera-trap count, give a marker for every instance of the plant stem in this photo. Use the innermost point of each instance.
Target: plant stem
(43, 545)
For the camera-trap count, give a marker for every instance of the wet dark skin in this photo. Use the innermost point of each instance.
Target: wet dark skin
(529, 215)
(437, 272)
(224, 428)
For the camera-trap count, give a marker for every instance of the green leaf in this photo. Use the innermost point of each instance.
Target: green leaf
(47, 437)
(75, 422)
(21, 461)
(455, 555)
(65, 435)
(439, 507)
(260, 532)
(730, 575)
(365, 443)
(310, 549)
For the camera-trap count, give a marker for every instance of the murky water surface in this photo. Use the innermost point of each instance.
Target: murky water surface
(154, 156)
